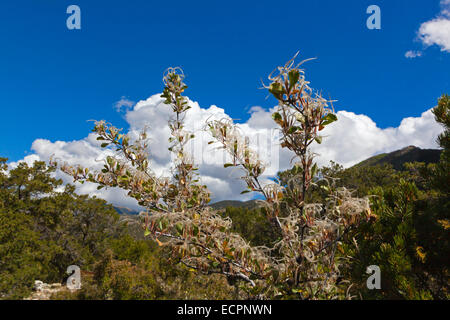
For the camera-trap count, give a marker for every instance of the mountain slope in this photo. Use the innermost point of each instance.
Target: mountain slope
(399, 157)
(251, 204)
(127, 211)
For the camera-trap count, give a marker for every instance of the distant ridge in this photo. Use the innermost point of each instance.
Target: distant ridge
(402, 156)
(251, 204)
(123, 210)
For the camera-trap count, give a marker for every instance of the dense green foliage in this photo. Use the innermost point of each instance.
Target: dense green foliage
(43, 231)
(408, 233)
(252, 224)
(409, 238)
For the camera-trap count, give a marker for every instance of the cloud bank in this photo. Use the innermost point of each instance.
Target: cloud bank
(353, 138)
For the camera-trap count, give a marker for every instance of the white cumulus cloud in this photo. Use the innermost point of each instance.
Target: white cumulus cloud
(353, 138)
(437, 30)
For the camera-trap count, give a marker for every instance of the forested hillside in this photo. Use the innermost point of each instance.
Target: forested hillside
(408, 154)
(399, 160)
(43, 231)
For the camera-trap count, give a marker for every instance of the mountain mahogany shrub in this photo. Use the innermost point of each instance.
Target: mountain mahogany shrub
(177, 215)
(302, 262)
(310, 232)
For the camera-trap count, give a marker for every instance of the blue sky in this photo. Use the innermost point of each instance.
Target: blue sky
(52, 80)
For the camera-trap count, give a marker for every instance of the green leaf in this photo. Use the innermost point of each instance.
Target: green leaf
(146, 233)
(318, 139)
(277, 117)
(226, 165)
(276, 89)
(329, 118)
(293, 129)
(293, 75)
(105, 144)
(314, 170)
(179, 227)
(195, 230)
(246, 191)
